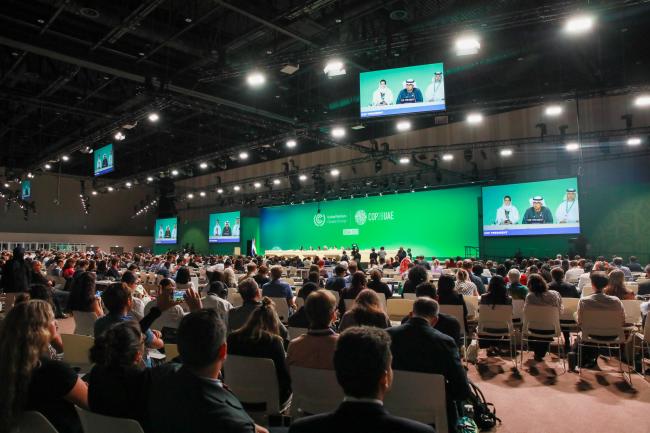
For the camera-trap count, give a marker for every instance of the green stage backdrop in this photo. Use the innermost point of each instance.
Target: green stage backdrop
(434, 223)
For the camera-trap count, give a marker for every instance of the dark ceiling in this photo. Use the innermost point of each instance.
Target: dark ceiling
(72, 73)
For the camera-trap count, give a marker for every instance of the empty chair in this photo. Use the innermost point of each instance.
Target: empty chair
(587, 290)
(34, 422)
(314, 391)
(632, 309)
(76, 349)
(84, 322)
(397, 308)
(411, 296)
(235, 299)
(300, 302)
(254, 382)
(471, 302)
(517, 310)
(282, 309)
(541, 322)
(495, 324)
(459, 314)
(601, 329)
(400, 399)
(96, 423)
(171, 352)
(296, 332)
(643, 345)
(382, 299)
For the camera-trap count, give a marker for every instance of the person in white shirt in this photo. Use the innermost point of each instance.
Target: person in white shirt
(383, 95)
(567, 211)
(572, 275)
(435, 91)
(214, 300)
(170, 318)
(235, 228)
(507, 214)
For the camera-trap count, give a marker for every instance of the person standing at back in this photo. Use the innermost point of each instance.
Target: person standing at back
(16, 273)
(362, 362)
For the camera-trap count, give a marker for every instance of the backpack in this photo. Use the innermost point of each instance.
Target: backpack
(485, 414)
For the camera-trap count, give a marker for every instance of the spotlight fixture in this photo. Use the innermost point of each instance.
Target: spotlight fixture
(47, 166)
(94, 193)
(119, 136)
(334, 68)
(403, 125)
(474, 118)
(154, 117)
(335, 172)
(291, 143)
(110, 189)
(65, 158)
(236, 187)
(190, 195)
(633, 141)
(642, 101)
(302, 177)
(276, 181)
(243, 155)
(149, 179)
(219, 190)
(447, 157)
(404, 160)
(203, 165)
(572, 146)
(257, 185)
(553, 110)
(579, 24)
(506, 152)
(338, 132)
(6, 185)
(129, 184)
(174, 172)
(255, 79)
(30, 175)
(467, 45)
(202, 193)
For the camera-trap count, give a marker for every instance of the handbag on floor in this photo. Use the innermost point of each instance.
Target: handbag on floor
(485, 414)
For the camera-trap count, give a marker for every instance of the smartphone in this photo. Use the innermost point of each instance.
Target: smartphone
(179, 295)
(98, 293)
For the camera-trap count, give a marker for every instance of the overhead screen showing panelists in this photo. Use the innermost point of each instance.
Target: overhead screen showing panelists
(103, 160)
(434, 223)
(224, 227)
(166, 230)
(548, 207)
(412, 89)
(26, 189)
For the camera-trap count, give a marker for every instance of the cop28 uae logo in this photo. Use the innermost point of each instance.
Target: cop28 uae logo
(360, 217)
(319, 220)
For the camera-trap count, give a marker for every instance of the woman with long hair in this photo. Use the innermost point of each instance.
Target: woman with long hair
(83, 295)
(497, 292)
(538, 294)
(367, 311)
(260, 338)
(416, 275)
(616, 286)
(30, 379)
(357, 284)
(464, 285)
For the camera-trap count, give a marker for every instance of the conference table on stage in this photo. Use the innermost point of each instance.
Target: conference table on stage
(329, 253)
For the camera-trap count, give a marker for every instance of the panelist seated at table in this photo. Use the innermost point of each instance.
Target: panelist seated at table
(537, 213)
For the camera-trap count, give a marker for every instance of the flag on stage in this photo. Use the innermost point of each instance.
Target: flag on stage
(253, 250)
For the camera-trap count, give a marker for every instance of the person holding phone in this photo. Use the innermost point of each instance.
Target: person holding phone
(172, 317)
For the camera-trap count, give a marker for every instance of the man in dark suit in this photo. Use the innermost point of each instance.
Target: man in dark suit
(417, 346)
(362, 362)
(252, 297)
(205, 405)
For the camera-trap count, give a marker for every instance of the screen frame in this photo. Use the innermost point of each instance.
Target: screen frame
(157, 241)
(108, 169)
(214, 240)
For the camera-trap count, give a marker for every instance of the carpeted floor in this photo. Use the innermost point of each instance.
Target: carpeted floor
(544, 399)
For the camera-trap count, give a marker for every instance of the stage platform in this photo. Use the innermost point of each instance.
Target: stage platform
(329, 253)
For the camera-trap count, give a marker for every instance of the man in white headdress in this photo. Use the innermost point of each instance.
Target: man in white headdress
(436, 90)
(507, 214)
(567, 211)
(383, 95)
(537, 213)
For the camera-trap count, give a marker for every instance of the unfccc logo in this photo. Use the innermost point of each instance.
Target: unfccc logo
(360, 217)
(319, 220)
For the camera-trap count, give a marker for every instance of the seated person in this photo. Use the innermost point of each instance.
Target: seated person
(316, 348)
(447, 294)
(539, 294)
(191, 398)
(367, 310)
(277, 288)
(138, 296)
(357, 284)
(416, 275)
(31, 380)
(376, 284)
(309, 285)
(497, 294)
(558, 284)
(170, 318)
(337, 281)
(417, 346)
(83, 296)
(616, 286)
(516, 290)
(216, 300)
(299, 318)
(260, 338)
(464, 285)
(363, 369)
(644, 288)
(252, 297)
(262, 276)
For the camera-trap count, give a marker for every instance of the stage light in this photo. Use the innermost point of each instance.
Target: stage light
(255, 79)
(94, 193)
(291, 143)
(447, 157)
(190, 195)
(572, 147)
(109, 189)
(243, 155)
(174, 172)
(257, 185)
(30, 175)
(65, 158)
(236, 187)
(129, 184)
(154, 117)
(338, 132)
(403, 125)
(633, 141)
(47, 166)
(202, 193)
(203, 165)
(642, 101)
(579, 24)
(335, 172)
(553, 110)
(334, 68)
(466, 45)
(506, 152)
(276, 181)
(404, 160)
(149, 179)
(302, 177)
(119, 136)
(6, 185)
(219, 190)
(474, 118)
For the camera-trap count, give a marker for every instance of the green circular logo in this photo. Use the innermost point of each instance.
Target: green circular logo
(319, 220)
(360, 217)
